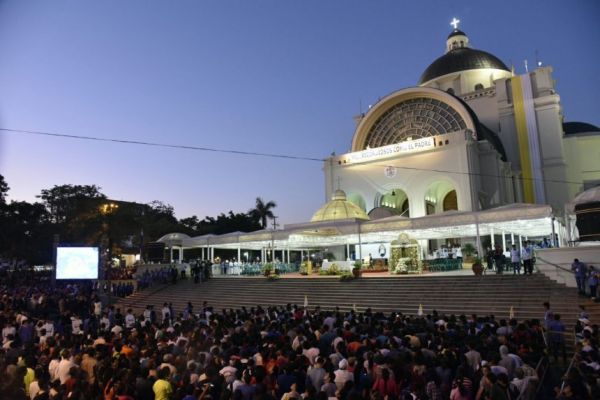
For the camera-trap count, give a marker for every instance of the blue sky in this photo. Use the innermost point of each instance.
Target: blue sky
(272, 76)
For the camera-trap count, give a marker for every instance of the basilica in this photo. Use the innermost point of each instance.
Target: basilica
(470, 136)
(473, 150)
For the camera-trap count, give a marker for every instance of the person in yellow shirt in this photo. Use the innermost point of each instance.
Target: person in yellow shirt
(28, 378)
(162, 388)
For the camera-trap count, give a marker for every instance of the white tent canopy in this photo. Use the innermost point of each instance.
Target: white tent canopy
(527, 220)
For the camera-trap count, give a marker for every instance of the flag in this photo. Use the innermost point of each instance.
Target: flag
(305, 301)
(420, 312)
(511, 313)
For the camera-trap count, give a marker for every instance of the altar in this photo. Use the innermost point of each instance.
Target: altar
(344, 266)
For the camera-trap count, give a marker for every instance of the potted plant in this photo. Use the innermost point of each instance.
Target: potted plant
(468, 250)
(347, 277)
(477, 266)
(268, 269)
(356, 270)
(304, 268)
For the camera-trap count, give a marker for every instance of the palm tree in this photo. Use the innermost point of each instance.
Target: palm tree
(262, 211)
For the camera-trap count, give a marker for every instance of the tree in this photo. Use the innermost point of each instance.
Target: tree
(262, 211)
(3, 190)
(26, 233)
(66, 201)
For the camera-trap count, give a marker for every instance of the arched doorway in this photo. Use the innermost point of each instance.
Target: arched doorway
(440, 197)
(397, 199)
(450, 201)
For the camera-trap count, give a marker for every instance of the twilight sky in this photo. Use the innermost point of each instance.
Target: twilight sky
(272, 76)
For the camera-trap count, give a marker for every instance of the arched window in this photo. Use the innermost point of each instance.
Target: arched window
(478, 86)
(429, 208)
(405, 209)
(450, 201)
(414, 118)
(450, 90)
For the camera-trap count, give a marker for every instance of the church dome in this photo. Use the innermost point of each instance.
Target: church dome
(573, 128)
(339, 208)
(461, 59)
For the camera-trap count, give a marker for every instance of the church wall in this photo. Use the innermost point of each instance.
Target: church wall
(506, 119)
(492, 189)
(552, 152)
(368, 179)
(464, 82)
(485, 106)
(582, 155)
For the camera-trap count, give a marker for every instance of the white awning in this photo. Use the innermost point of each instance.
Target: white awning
(531, 220)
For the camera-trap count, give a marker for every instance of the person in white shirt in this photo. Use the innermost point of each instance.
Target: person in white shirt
(147, 315)
(342, 375)
(8, 330)
(97, 307)
(104, 323)
(49, 327)
(166, 313)
(515, 259)
(76, 325)
(527, 257)
(64, 366)
(53, 366)
(129, 319)
(117, 329)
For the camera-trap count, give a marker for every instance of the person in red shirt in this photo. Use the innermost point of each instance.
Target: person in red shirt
(385, 385)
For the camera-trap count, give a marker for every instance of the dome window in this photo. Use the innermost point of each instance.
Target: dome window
(450, 90)
(479, 86)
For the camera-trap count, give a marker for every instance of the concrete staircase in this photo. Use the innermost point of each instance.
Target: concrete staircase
(491, 294)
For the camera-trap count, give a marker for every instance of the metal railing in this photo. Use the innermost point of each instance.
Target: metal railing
(557, 267)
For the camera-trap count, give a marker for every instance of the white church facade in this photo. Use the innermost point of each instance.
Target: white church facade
(473, 150)
(471, 136)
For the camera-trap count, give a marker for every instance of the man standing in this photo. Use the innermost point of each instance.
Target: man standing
(499, 259)
(580, 271)
(515, 258)
(527, 256)
(593, 280)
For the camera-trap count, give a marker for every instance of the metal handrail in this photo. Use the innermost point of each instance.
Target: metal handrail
(564, 381)
(555, 265)
(540, 378)
(558, 267)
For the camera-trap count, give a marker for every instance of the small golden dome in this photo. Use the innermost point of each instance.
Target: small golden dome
(339, 209)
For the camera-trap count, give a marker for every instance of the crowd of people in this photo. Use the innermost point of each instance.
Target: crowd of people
(120, 273)
(511, 259)
(61, 343)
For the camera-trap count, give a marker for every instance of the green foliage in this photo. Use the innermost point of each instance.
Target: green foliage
(262, 211)
(3, 190)
(347, 277)
(273, 277)
(468, 249)
(332, 270)
(224, 223)
(268, 269)
(65, 202)
(82, 214)
(303, 268)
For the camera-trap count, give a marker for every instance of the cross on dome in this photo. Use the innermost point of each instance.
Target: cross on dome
(455, 22)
